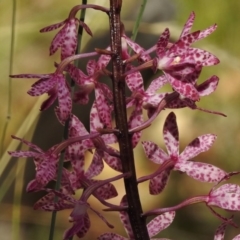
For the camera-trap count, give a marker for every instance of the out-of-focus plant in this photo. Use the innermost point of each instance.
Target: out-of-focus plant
(180, 64)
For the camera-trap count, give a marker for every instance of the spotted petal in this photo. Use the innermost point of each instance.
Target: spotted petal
(53, 26)
(208, 86)
(160, 223)
(91, 67)
(137, 49)
(170, 134)
(201, 171)
(80, 227)
(158, 183)
(226, 197)
(163, 42)
(125, 219)
(96, 166)
(188, 25)
(198, 145)
(103, 106)
(113, 162)
(69, 43)
(134, 81)
(135, 120)
(182, 45)
(107, 191)
(185, 89)
(204, 33)
(220, 232)
(43, 86)
(154, 153)
(156, 84)
(64, 98)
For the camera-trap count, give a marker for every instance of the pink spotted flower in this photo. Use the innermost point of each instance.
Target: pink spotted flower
(55, 85)
(75, 152)
(88, 83)
(45, 163)
(182, 162)
(155, 226)
(182, 63)
(66, 38)
(79, 215)
(141, 98)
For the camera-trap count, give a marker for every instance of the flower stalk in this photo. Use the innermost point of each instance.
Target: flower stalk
(124, 137)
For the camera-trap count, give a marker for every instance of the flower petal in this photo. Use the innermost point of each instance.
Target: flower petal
(79, 227)
(96, 165)
(53, 26)
(185, 89)
(220, 232)
(204, 33)
(154, 153)
(160, 223)
(198, 145)
(171, 136)
(158, 183)
(106, 191)
(46, 171)
(64, 98)
(226, 197)
(58, 40)
(156, 84)
(69, 43)
(236, 237)
(163, 42)
(103, 106)
(201, 171)
(201, 57)
(137, 49)
(134, 81)
(208, 86)
(91, 67)
(113, 162)
(188, 25)
(125, 218)
(182, 45)
(76, 127)
(20, 154)
(104, 59)
(136, 119)
(42, 86)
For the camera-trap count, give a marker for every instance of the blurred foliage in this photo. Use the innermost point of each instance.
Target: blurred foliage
(31, 56)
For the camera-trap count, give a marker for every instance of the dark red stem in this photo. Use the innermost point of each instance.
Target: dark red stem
(138, 223)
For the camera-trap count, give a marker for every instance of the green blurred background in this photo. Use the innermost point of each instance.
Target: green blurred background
(17, 218)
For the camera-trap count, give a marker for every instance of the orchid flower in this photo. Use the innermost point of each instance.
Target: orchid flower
(45, 163)
(173, 160)
(55, 85)
(181, 63)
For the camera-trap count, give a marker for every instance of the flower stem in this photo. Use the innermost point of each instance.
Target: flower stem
(187, 202)
(138, 223)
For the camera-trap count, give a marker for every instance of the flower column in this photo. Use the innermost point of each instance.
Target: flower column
(124, 138)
